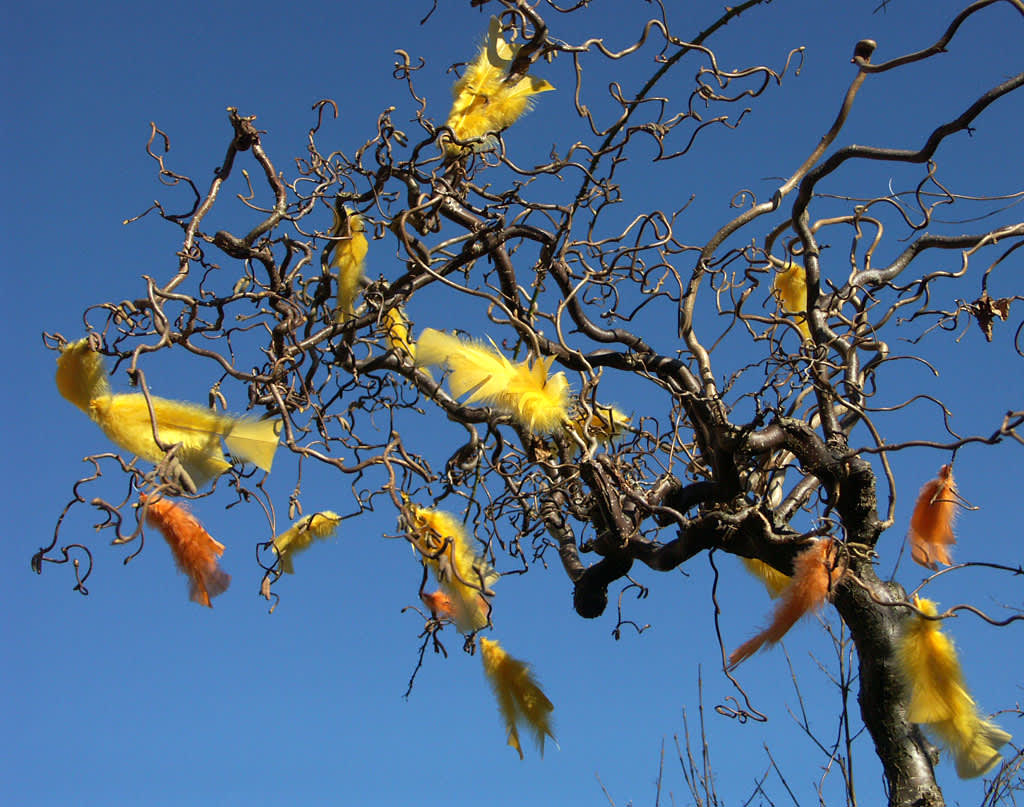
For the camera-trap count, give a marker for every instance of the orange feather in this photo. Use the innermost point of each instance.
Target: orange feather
(195, 551)
(816, 571)
(931, 525)
(439, 603)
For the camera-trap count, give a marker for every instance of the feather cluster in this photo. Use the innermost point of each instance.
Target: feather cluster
(775, 581)
(487, 98)
(348, 259)
(938, 697)
(520, 699)
(395, 325)
(604, 423)
(464, 576)
(790, 288)
(195, 552)
(300, 536)
(125, 419)
(816, 571)
(81, 376)
(931, 525)
(524, 390)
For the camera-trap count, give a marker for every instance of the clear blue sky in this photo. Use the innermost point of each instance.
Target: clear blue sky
(133, 695)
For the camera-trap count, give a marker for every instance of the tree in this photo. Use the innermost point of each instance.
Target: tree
(761, 426)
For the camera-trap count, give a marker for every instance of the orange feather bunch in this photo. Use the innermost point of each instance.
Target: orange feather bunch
(195, 551)
(816, 572)
(439, 603)
(931, 525)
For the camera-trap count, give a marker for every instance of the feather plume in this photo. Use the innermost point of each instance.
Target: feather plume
(604, 423)
(931, 525)
(396, 332)
(485, 99)
(524, 390)
(775, 581)
(938, 696)
(439, 603)
(300, 536)
(816, 571)
(520, 698)
(348, 259)
(125, 420)
(195, 552)
(464, 576)
(790, 288)
(81, 375)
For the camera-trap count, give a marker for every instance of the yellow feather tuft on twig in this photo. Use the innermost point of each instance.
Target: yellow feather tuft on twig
(464, 576)
(790, 287)
(520, 698)
(524, 390)
(938, 697)
(81, 375)
(348, 259)
(300, 536)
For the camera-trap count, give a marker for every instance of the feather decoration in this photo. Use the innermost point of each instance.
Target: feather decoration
(520, 699)
(816, 571)
(348, 259)
(81, 375)
(485, 99)
(464, 576)
(938, 697)
(931, 525)
(439, 603)
(790, 288)
(604, 423)
(524, 390)
(300, 536)
(775, 581)
(396, 332)
(125, 420)
(195, 551)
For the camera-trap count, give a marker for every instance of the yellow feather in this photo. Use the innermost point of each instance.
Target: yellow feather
(774, 580)
(464, 575)
(605, 423)
(484, 101)
(348, 259)
(790, 288)
(523, 390)
(81, 375)
(300, 536)
(939, 699)
(520, 698)
(125, 420)
(396, 332)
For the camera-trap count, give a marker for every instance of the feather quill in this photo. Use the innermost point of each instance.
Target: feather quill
(464, 576)
(300, 536)
(790, 288)
(524, 390)
(938, 696)
(816, 571)
(775, 581)
(348, 259)
(195, 552)
(520, 698)
(125, 420)
(81, 375)
(485, 100)
(931, 525)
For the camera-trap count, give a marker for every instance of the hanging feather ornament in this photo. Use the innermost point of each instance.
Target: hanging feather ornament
(300, 536)
(81, 375)
(931, 525)
(348, 259)
(195, 552)
(790, 288)
(520, 698)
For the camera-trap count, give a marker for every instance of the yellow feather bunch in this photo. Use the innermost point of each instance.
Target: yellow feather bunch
(520, 699)
(604, 423)
(465, 576)
(485, 101)
(348, 258)
(938, 697)
(790, 288)
(523, 390)
(81, 375)
(125, 420)
(396, 332)
(774, 580)
(300, 536)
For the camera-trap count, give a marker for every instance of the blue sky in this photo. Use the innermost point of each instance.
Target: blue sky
(133, 695)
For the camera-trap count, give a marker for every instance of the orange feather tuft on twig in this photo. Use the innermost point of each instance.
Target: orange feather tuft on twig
(195, 551)
(931, 525)
(816, 571)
